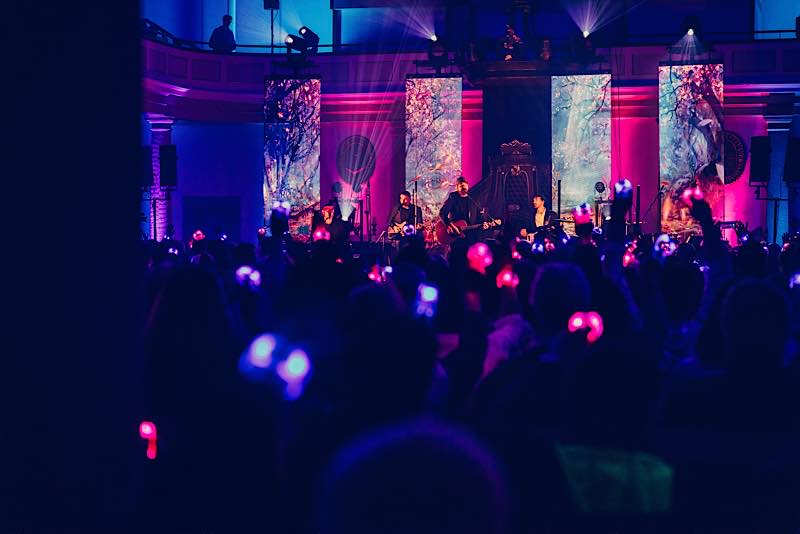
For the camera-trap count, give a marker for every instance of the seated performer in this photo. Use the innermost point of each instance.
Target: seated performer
(403, 214)
(544, 220)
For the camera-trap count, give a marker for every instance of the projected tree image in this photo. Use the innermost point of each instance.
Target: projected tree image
(291, 149)
(691, 139)
(581, 121)
(433, 139)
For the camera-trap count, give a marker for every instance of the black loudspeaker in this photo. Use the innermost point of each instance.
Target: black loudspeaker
(791, 165)
(146, 174)
(760, 154)
(168, 159)
(272, 4)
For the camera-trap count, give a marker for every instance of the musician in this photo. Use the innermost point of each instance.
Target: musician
(459, 206)
(544, 220)
(403, 214)
(338, 229)
(336, 201)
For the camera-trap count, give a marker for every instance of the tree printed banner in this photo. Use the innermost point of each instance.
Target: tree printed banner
(433, 140)
(581, 142)
(291, 149)
(691, 142)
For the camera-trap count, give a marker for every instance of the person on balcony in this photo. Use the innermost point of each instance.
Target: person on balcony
(222, 37)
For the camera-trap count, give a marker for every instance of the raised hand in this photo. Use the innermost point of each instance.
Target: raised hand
(701, 211)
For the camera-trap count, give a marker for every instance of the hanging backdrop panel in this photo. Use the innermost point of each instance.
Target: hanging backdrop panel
(433, 140)
(581, 125)
(690, 131)
(291, 149)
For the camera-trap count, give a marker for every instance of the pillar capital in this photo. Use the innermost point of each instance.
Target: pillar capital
(778, 123)
(159, 122)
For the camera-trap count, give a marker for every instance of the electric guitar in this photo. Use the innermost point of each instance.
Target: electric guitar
(446, 235)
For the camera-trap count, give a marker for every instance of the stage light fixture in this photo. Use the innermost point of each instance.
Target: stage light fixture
(691, 26)
(311, 38)
(434, 38)
(436, 50)
(295, 42)
(585, 34)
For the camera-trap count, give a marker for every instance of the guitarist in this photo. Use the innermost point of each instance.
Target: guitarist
(544, 220)
(459, 206)
(403, 214)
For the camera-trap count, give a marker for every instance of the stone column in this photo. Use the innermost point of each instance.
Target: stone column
(778, 127)
(160, 212)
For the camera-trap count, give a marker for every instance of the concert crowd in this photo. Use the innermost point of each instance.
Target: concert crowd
(596, 382)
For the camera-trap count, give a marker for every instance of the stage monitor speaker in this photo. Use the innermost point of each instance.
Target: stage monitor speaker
(760, 154)
(272, 4)
(146, 174)
(791, 166)
(168, 158)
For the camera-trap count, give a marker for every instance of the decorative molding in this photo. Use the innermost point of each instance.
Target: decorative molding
(203, 86)
(516, 147)
(735, 157)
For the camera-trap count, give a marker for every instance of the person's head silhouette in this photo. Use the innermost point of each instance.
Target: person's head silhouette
(226, 20)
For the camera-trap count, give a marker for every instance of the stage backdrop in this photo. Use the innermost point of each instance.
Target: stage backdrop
(291, 148)
(690, 129)
(433, 139)
(581, 125)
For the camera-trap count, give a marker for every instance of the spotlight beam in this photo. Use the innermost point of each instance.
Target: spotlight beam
(592, 15)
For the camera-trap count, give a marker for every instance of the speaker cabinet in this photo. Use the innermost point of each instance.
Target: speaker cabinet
(791, 165)
(760, 154)
(168, 158)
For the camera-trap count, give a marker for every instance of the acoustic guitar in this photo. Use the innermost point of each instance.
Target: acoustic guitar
(446, 236)
(402, 229)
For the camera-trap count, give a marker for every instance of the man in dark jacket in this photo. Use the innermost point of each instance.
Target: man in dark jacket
(222, 37)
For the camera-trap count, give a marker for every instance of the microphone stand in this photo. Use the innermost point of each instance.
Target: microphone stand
(414, 203)
(659, 196)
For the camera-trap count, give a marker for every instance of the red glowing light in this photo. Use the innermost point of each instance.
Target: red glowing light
(590, 320)
(628, 259)
(479, 257)
(321, 234)
(595, 326)
(375, 274)
(507, 278)
(691, 194)
(147, 430)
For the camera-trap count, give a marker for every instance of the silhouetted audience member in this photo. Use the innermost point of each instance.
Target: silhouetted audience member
(680, 413)
(222, 39)
(420, 477)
